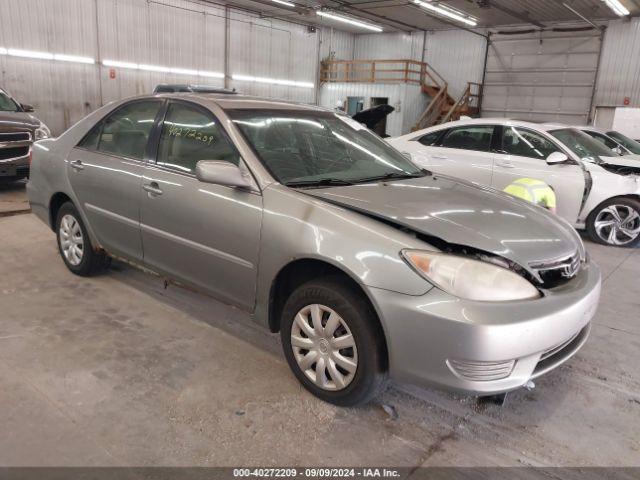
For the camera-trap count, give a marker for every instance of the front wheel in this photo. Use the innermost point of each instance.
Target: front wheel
(74, 243)
(333, 343)
(615, 222)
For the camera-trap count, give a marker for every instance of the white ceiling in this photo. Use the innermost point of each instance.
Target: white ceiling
(398, 15)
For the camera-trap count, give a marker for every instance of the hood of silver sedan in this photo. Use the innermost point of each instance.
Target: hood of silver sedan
(463, 214)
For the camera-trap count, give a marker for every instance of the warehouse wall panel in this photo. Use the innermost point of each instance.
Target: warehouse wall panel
(173, 33)
(619, 75)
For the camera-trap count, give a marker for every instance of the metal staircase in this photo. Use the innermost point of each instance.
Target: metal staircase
(442, 107)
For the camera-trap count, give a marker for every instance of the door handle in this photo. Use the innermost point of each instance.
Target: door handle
(77, 165)
(439, 157)
(506, 164)
(152, 188)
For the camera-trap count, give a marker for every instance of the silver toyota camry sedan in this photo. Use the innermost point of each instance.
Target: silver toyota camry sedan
(369, 266)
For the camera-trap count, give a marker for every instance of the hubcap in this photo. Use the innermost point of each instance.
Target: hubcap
(71, 240)
(324, 347)
(617, 224)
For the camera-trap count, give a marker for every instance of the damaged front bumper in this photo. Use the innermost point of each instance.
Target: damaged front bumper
(485, 348)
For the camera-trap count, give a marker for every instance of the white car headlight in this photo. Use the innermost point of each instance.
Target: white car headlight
(470, 279)
(42, 132)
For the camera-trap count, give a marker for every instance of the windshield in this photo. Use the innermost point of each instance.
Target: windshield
(583, 145)
(321, 148)
(7, 104)
(628, 143)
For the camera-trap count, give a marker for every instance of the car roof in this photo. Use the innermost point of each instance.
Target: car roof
(490, 120)
(237, 101)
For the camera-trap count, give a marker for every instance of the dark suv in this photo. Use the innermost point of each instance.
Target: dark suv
(18, 130)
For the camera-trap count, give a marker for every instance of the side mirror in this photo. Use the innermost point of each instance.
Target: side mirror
(557, 157)
(27, 108)
(224, 173)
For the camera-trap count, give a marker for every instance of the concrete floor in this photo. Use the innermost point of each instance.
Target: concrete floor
(13, 198)
(114, 370)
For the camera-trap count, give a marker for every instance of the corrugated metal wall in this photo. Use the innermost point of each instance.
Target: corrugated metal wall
(546, 76)
(458, 56)
(173, 33)
(619, 75)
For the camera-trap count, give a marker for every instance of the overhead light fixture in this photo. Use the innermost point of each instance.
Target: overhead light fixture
(73, 58)
(161, 69)
(282, 2)
(29, 54)
(449, 12)
(350, 21)
(272, 81)
(617, 7)
(15, 52)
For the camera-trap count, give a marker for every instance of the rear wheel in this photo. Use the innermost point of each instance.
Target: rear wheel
(616, 222)
(333, 343)
(74, 243)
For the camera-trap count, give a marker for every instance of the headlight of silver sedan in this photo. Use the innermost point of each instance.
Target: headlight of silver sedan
(470, 279)
(42, 132)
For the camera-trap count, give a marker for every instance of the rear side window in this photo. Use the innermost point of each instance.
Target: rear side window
(125, 132)
(189, 135)
(476, 138)
(429, 138)
(526, 143)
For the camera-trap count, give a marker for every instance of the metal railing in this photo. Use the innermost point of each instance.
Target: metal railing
(380, 71)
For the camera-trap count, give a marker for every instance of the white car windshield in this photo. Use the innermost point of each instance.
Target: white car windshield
(320, 148)
(583, 145)
(628, 143)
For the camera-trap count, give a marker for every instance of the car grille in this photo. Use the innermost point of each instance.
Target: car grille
(13, 152)
(15, 137)
(481, 371)
(554, 273)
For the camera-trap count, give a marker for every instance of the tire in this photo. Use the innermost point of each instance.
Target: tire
(344, 307)
(615, 222)
(74, 244)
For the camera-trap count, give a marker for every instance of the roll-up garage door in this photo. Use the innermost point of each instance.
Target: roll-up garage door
(542, 77)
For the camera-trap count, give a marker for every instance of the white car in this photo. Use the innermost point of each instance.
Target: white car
(595, 188)
(616, 141)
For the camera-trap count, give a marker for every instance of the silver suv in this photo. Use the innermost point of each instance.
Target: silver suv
(366, 264)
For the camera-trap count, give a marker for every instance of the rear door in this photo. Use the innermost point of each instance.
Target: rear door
(522, 153)
(203, 234)
(105, 171)
(463, 152)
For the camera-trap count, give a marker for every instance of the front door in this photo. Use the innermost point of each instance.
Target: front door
(105, 171)
(203, 234)
(523, 154)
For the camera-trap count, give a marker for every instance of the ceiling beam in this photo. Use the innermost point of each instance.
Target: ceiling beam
(350, 7)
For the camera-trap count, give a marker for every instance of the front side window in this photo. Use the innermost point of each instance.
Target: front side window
(189, 135)
(306, 148)
(7, 104)
(606, 141)
(526, 143)
(126, 131)
(628, 143)
(476, 138)
(585, 147)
